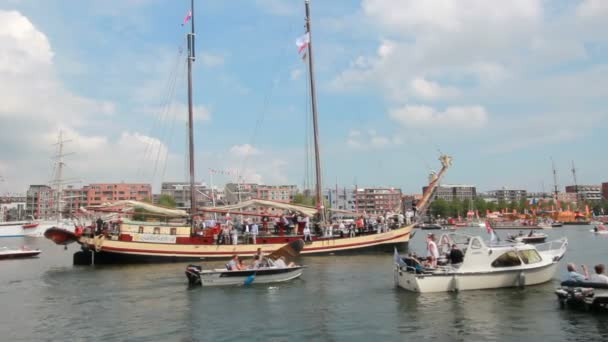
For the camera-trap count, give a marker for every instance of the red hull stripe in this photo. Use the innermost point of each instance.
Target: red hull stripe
(319, 249)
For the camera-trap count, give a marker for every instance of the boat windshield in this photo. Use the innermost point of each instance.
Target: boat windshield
(530, 256)
(508, 259)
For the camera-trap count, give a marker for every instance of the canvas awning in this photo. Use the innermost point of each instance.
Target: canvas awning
(304, 210)
(129, 206)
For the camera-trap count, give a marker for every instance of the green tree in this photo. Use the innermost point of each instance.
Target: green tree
(166, 200)
(440, 207)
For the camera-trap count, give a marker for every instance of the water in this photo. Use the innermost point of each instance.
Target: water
(338, 298)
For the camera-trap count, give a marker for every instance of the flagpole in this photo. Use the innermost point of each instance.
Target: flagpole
(191, 56)
(315, 124)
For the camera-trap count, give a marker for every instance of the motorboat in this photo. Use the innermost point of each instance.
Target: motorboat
(556, 224)
(599, 229)
(269, 271)
(545, 225)
(484, 266)
(428, 226)
(585, 295)
(23, 252)
(532, 237)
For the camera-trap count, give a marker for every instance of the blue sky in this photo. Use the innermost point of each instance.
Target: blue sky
(501, 86)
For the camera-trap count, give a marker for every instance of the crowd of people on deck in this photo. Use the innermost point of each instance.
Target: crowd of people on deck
(247, 230)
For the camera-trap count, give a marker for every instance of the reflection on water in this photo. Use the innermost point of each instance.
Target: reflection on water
(337, 298)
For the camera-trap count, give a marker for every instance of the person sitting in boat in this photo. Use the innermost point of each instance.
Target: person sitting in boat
(232, 265)
(280, 263)
(575, 276)
(456, 256)
(599, 276)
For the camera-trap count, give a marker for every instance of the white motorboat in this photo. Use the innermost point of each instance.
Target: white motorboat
(12, 228)
(484, 266)
(529, 238)
(599, 229)
(24, 252)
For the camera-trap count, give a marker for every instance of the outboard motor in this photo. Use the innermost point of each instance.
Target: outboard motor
(193, 272)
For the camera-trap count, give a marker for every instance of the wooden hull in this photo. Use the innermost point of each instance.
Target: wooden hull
(116, 251)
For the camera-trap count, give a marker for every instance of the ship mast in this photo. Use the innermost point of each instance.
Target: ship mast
(315, 124)
(575, 184)
(555, 191)
(191, 57)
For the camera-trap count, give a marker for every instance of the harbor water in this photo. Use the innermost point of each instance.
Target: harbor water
(338, 298)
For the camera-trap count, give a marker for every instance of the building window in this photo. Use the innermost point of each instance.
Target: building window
(173, 231)
(140, 230)
(156, 230)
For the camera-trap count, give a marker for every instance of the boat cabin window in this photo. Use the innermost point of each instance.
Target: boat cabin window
(141, 230)
(173, 231)
(508, 259)
(475, 244)
(156, 230)
(530, 256)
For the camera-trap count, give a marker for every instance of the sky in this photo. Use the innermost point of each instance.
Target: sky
(502, 86)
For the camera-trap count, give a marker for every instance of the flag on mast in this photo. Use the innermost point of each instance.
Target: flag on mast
(187, 18)
(302, 42)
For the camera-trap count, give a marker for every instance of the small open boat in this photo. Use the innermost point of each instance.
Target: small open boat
(530, 238)
(599, 229)
(24, 252)
(585, 295)
(272, 270)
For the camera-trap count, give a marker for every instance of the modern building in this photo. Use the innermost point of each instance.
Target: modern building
(180, 191)
(605, 190)
(450, 192)
(585, 193)
(39, 201)
(507, 195)
(73, 199)
(110, 192)
(340, 198)
(13, 210)
(236, 192)
(378, 200)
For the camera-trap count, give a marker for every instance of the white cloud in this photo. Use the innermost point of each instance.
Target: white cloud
(431, 90)
(461, 117)
(295, 74)
(370, 140)
(592, 8)
(278, 7)
(244, 150)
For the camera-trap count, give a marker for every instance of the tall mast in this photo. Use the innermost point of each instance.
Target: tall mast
(555, 191)
(191, 57)
(575, 184)
(58, 180)
(315, 124)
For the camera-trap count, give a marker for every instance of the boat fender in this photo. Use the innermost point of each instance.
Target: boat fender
(522, 279)
(98, 240)
(490, 251)
(455, 285)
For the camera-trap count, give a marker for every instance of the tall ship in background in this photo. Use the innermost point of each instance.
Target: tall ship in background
(169, 234)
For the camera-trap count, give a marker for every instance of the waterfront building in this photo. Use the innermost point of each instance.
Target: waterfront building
(110, 192)
(13, 210)
(340, 198)
(180, 191)
(450, 192)
(39, 201)
(507, 195)
(378, 200)
(605, 190)
(238, 192)
(73, 199)
(585, 193)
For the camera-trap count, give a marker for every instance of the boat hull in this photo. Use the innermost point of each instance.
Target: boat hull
(19, 254)
(12, 230)
(424, 283)
(259, 276)
(117, 251)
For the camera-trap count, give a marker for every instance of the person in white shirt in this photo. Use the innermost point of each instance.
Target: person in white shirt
(307, 235)
(341, 227)
(280, 263)
(254, 232)
(599, 276)
(432, 250)
(235, 236)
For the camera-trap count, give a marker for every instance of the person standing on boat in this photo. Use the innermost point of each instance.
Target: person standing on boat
(235, 235)
(456, 256)
(433, 252)
(307, 235)
(254, 232)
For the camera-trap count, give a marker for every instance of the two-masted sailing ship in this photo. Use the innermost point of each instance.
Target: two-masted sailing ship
(178, 238)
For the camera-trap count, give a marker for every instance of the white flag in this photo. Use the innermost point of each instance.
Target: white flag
(303, 42)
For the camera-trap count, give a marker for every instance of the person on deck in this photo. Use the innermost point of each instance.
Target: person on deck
(307, 236)
(235, 236)
(456, 256)
(254, 232)
(599, 276)
(575, 276)
(433, 252)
